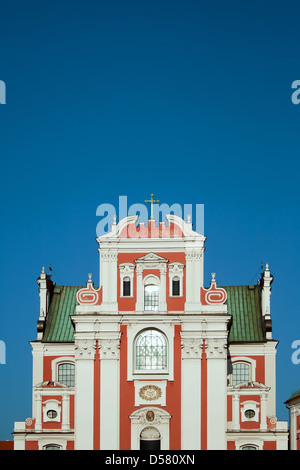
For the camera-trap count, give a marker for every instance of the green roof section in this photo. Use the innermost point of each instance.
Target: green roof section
(244, 305)
(59, 327)
(294, 395)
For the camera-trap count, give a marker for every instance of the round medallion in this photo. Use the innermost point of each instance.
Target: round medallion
(149, 415)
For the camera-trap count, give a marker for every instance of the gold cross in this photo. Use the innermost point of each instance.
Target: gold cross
(152, 201)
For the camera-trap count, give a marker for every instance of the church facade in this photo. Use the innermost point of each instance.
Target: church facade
(151, 358)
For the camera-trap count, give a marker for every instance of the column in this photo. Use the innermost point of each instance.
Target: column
(108, 279)
(191, 392)
(235, 412)
(84, 393)
(38, 411)
(113, 264)
(163, 289)
(263, 418)
(65, 412)
(216, 394)
(293, 427)
(109, 347)
(194, 278)
(139, 307)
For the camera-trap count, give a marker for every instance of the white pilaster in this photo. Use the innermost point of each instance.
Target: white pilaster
(139, 307)
(263, 417)
(109, 345)
(216, 394)
(191, 392)
(294, 412)
(37, 369)
(194, 278)
(235, 412)
(38, 411)
(84, 393)
(66, 412)
(163, 292)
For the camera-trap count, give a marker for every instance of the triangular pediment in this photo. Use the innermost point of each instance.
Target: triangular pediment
(151, 258)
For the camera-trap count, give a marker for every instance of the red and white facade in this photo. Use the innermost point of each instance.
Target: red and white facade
(183, 398)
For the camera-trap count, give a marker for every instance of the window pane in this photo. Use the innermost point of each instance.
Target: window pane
(126, 288)
(175, 287)
(240, 373)
(151, 351)
(151, 298)
(66, 374)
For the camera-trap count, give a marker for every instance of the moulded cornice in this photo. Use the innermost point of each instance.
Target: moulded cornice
(117, 228)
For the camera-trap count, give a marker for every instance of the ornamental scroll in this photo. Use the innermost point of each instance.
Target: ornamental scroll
(214, 295)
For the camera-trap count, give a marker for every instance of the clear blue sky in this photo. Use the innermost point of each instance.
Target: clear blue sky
(190, 100)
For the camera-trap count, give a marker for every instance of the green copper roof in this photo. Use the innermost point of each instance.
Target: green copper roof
(59, 327)
(294, 395)
(244, 304)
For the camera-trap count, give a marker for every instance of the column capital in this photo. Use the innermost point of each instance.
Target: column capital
(216, 348)
(85, 349)
(191, 347)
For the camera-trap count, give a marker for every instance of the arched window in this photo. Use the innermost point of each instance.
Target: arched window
(151, 293)
(52, 447)
(150, 439)
(249, 447)
(126, 287)
(175, 286)
(66, 374)
(240, 372)
(151, 351)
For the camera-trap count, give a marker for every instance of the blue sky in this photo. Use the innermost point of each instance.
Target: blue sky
(190, 100)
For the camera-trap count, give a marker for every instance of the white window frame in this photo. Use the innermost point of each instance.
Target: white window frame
(133, 331)
(244, 360)
(151, 371)
(54, 405)
(149, 280)
(126, 270)
(58, 361)
(176, 270)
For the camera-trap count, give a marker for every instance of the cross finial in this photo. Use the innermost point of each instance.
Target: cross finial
(152, 201)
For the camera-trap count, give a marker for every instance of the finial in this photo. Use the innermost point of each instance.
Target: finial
(213, 278)
(114, 219)
(90, 277)
(43, 269)
(189, 218)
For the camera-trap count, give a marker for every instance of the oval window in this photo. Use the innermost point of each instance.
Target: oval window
(249, 414)
(51, 414)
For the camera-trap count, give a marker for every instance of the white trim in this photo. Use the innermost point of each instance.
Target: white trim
(139, 422)
(54, 405)
(139, 400)
(126, 270)
(56, 362)
(176, 270)
(133, 330)
(245, 360)
(252, 405)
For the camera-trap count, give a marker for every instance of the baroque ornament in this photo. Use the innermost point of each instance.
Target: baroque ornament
(150, 392)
